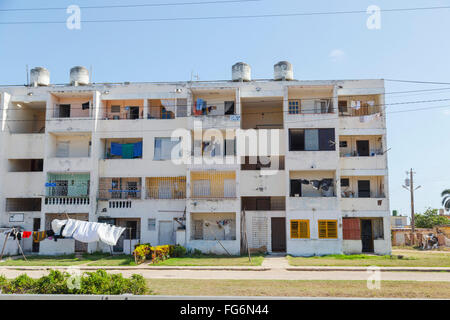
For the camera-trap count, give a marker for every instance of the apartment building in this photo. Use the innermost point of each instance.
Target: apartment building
(278, 165)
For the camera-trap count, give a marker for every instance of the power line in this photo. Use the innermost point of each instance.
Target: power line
(278, 15)
(131, 5)
(417, 81)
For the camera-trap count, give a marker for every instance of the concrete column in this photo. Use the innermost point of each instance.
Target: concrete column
(145, 108)
(4, 134)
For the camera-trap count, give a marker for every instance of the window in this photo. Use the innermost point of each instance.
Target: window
(343, 144)
(345, 182)
(115, 109)
(151, 224)
(363, 188)
(342, 105)
(311, 139)
(229, 107)
(181, 108)
(85, 106)
(299, 229)
(327, 229)
(164, 147)
(296, 188)
(294, 106)
(296, 139)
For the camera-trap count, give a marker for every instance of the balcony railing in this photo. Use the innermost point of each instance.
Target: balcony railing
(166, 188)
(354, 153)
(67, 200)
(206, 184)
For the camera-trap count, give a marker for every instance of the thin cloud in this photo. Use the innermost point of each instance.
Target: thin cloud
(336, 55)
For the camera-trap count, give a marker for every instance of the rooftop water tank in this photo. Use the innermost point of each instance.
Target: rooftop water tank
(39, 76)
(79, 76)
(283, 71)
(241, 72)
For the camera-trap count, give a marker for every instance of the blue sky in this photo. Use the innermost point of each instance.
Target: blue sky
(409, 45)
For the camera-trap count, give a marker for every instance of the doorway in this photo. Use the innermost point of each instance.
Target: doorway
(363, 188)
(278, 234)
(134, 112)
(165, 234)
(64, 110)
(362, 148)
(36, 227)
(366, 235)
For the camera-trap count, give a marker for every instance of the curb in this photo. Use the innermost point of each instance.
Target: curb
(218, 268)
(92, 268)
(384, 269)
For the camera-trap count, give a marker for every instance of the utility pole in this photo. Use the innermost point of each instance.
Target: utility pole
(409, 185)
(411, 190)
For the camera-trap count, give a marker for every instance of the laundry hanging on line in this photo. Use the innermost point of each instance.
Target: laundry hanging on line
(127, 150)
(85, 231)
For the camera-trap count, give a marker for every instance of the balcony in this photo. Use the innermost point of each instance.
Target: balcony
(213, 185)
(312, 190)
(375, 203)
(23, 184)
(71, 112)
(256, 183)
(123, 109)
(360, 112)
(166, 188)
(65, 189)
(26, 146)
(215, 109)
(120, 188)
(125, 148)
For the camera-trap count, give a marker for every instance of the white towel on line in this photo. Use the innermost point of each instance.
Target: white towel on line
(85, 231)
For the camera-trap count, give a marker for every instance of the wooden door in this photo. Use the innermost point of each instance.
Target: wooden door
(278, 234)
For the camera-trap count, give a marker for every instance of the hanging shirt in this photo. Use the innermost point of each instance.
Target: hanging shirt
(85, 231)
(38, 236)
(137, 149)
(116, 149)
(127, 150)
(26, 234)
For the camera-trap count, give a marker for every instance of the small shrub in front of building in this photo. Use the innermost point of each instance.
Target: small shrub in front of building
(99, 282)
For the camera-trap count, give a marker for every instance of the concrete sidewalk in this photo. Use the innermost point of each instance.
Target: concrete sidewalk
(270, 265)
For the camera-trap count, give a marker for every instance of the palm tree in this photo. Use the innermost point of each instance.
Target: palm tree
(446, 199)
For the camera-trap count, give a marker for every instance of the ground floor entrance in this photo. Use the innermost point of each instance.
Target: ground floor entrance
(278, 226)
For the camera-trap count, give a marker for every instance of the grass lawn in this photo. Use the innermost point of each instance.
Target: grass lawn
(212, 260)
(414, 258)
(105, 259)
(64, 260)
(94, 259)
(310, 288)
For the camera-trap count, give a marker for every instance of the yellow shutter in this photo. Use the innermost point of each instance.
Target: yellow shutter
(322, 229)
(328, 229)
(331, 229)
(304, 229)
(294, 229)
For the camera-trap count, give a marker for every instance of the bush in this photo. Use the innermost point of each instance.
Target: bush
(23, 284)
(178, 251)
(56, 282)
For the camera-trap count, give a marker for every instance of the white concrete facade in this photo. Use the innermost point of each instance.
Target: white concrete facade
(78, 142)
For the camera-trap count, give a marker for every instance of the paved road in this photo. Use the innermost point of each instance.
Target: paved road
(274, 274)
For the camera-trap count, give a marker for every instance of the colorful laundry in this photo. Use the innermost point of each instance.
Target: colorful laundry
(38, 236)
(26, 234)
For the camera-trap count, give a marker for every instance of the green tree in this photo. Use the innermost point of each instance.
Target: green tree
(429, 219)
(446, 199)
